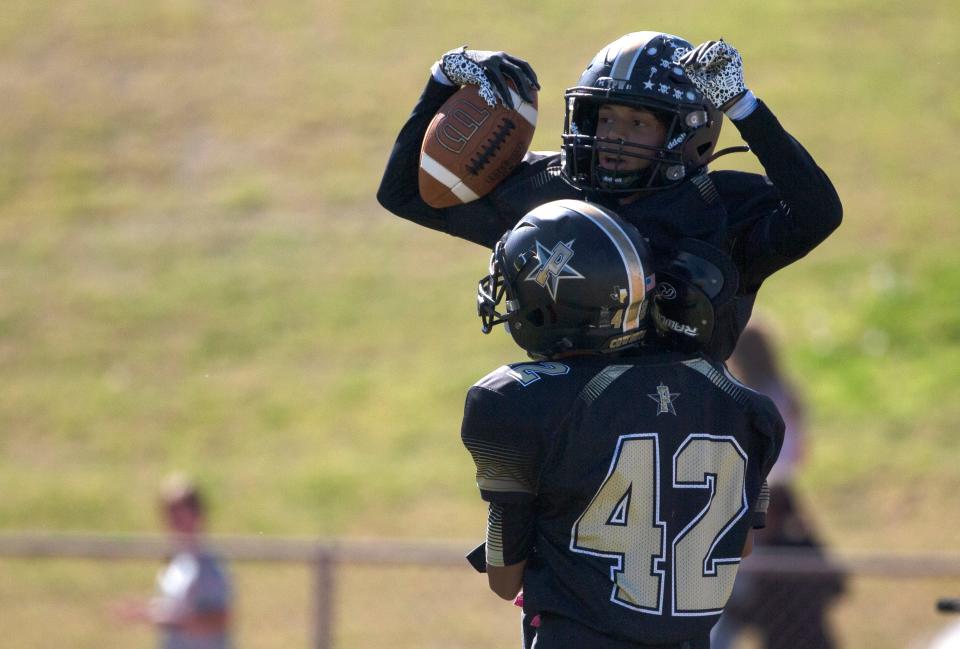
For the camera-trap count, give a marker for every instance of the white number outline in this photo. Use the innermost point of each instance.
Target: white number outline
(656, 559)
(709, 562)
(528, 373)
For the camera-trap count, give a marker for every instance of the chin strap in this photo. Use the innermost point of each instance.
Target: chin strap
(703, 182)
(727, 151)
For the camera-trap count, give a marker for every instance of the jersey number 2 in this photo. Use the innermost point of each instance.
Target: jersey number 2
(623, 523)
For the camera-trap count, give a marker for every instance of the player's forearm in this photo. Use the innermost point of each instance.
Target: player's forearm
(506, 581)
(166, 612)
(399, 187)
(815, 209)
(207, 622)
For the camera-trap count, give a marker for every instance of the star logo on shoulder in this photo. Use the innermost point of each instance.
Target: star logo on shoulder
(664, 398)
(553, 266)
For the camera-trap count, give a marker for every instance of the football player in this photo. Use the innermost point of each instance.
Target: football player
(641, 126)
(622, 477)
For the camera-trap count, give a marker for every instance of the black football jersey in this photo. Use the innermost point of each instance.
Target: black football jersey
(642, 477)
(761, 223)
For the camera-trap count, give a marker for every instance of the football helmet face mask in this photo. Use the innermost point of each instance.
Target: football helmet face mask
(638, 70)
(573, 277)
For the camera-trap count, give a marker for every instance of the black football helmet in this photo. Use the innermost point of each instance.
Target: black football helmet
(638, 70)
(575, 277)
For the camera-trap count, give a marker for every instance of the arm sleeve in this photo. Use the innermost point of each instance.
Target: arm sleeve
(769, 428)
(510, 532)
(806, 211)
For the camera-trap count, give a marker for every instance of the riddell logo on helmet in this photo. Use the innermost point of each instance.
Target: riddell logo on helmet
(460, 125)
(677, 141)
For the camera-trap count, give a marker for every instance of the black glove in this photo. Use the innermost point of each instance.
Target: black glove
(490, 71)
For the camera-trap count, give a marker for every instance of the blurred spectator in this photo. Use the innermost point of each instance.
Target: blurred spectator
(788, 611)
(755, 362)
(192, 606)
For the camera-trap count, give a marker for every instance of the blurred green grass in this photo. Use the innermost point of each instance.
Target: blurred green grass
(195, 274)
(194, 269)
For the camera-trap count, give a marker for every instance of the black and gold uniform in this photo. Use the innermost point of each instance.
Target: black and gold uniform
(628, 484)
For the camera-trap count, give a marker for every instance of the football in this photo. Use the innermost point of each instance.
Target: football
(470, 147)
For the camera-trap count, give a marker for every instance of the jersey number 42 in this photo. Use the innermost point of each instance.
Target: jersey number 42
(623, 523)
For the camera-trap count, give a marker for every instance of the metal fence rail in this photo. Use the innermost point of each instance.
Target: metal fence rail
(325, 555)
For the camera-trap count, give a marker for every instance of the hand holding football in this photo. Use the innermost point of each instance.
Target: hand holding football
(470, 147)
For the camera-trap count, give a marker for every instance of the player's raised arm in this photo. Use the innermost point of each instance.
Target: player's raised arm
(809, 208)
(481, 221)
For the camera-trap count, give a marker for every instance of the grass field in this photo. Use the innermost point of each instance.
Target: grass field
(196, 276)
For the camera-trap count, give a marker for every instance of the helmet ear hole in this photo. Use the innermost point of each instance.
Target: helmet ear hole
(553, 314)
(535, 318)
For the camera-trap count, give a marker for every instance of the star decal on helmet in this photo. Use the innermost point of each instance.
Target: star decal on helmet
(664, 398)
(553, 266)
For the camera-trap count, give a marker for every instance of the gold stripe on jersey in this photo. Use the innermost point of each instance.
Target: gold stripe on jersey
(723, 380)
(603, 380)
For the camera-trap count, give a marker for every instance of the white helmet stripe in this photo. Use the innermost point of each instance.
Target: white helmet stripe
(632, 264)
(631, 47)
